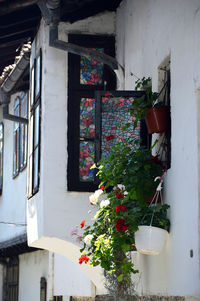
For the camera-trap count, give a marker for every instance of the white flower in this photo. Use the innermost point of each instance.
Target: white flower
(95, 196)
(104, 203)
(122, 187)
(87, 239)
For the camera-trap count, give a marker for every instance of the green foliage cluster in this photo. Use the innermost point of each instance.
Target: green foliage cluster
(141, 105)
(135, 169)
(128, 177)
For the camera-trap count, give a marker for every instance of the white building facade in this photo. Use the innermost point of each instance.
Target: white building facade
(149, 37)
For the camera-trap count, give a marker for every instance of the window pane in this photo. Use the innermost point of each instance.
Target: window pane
(87, 112)
(91, 70)
(36, 126)
(32, 85)
(30, 171)
(35, 169)
(16, 152)
(115, 114)
(37, 84)
(24, 106)
(86, 161)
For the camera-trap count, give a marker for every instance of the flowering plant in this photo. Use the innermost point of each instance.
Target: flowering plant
(127, 184)
(119, 209)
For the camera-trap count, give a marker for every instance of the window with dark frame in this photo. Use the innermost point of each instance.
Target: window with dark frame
(16, 138)
(58, 298)
(85, 76)
(1, 155)
(23, 131)
(90, 117)
(43, 289)
(20, 134)
(34, 123)
(164, 140)
(12, 279)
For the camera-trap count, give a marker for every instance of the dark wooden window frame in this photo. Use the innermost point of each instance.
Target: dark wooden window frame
(19, 145)
(76, 91)
(12, 279)
(16, 139)
(43, 289)
(76, 185)
(24, 101)
(35, 104)
(58, 298)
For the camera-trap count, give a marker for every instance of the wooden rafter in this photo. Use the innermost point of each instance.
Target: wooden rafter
(8, 7)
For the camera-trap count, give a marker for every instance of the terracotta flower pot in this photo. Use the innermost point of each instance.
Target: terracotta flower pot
(157, 119)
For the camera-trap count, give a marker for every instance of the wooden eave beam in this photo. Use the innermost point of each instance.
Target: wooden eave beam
(17, 32)
(14, 42)
(20, 22)
(16, 37)
(6, 8)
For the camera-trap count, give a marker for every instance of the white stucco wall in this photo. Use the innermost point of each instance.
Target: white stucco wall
(13, 198)
(33, 266)
(74, 282)
(148, 32)
(54, 211)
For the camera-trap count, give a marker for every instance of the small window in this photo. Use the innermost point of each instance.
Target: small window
(34, 127)
(12, 279)
(23, 131)
(20, 134)
(43, 289)
(1, 155)
(58, 298)
(16, 138)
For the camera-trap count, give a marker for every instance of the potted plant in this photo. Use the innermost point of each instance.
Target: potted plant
(150, 108)
(153, 230)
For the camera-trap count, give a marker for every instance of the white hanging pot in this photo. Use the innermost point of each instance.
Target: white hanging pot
(150, 240)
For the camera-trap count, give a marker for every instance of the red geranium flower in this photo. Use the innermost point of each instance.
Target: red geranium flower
(107, 94)
(120, 208)
(108, 138)
(120, 225)
(102, 187)
(119, 193)
(82, 223)
(83, 258)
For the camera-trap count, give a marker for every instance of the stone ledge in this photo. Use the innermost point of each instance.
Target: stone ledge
(129, 298)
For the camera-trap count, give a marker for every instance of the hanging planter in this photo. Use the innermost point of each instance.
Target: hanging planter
(150, 240)
(157, 119)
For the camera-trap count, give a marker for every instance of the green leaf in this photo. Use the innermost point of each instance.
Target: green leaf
(120, 278)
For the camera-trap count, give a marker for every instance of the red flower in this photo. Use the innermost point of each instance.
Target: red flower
(119, 193)
(83, 258)
(102, 187)
(120, 208)
(110, 137)
(82, 223)
(107, 94)
(120, 225)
